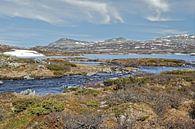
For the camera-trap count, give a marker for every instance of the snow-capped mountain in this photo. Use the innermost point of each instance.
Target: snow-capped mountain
(65, 43)
(174, 43)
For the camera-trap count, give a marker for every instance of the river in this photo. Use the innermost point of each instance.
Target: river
(57, 85)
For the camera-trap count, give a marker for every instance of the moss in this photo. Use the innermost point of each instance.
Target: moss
(180, 72)
(19, 122)
(120, 109)
(60, 67)
(88, 91)
(24, 60)
(46, 107)
(148, 62)
(38, 107)
(23, 104)
(122, 83)
(93, 103)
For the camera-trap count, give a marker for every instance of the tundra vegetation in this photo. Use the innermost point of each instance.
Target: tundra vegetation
(148, 62)
(19, 68)
(164, 101)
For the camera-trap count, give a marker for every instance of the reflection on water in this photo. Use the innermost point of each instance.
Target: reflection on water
(157, 70)
(91, 63)
(185, 57)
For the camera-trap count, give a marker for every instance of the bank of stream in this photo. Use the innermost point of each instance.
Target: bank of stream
(57, 85)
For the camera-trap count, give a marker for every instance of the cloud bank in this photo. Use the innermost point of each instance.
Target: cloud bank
(94, 11)
(61, 11)
(158, 7)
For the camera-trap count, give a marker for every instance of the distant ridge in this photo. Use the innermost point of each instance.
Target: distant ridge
(173, 43)
(184, 43)
(65, 43)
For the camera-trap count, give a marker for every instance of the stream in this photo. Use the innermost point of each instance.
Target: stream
(57, 85)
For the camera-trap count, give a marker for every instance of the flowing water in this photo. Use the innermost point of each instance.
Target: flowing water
(57, 85)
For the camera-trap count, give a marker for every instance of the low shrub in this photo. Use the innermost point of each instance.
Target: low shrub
(192, 112)
(123, 83)
(148, 62)
(88, 91)
(89, 120)
(38, 107)
(180, 72)
(24, 60)
(1, 115)
(93, 103)
(60, 67)
(46, 107)
(23, 104)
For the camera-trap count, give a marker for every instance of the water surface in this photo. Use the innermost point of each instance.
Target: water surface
(57, 85)
(186, 57)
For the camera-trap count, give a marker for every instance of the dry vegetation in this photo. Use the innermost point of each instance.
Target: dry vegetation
(148, 62)
(164, 101)
(19, 68)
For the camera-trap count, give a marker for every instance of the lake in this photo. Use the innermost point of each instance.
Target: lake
(186, 57)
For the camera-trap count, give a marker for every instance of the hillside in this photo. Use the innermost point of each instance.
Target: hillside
(177, 43)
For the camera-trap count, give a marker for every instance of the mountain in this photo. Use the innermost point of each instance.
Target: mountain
(65, 43)
(174, 43)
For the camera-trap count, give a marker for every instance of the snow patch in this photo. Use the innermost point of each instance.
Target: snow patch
(23, 53)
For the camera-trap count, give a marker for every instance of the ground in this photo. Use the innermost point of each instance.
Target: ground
(164, 101)
(20, 68)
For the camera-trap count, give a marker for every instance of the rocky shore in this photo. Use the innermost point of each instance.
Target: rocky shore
(21, 68)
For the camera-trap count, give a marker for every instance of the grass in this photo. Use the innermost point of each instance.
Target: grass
(93, 103)
(38, 107)
(122, 83)
(148, 62)
(88, 91)
(24, 60)
(149, 101)
(179, 72)
(59, 67)
(46, 107)
(19, 122)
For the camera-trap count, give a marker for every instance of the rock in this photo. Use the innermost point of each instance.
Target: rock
(91, 73)
(192, 54)
(103, 104)
(15, 65)
(1, 82)
(28, 77)
(114, 78)
(28, 92)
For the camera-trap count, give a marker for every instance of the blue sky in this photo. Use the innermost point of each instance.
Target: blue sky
(39, 22)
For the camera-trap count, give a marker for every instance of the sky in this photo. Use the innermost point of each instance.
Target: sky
(30, 23)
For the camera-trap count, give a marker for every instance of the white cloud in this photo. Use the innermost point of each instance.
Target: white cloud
(157, 18)
(172, 31)
(61, 11)
(157, 7)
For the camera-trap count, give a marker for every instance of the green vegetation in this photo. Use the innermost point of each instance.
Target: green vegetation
(59, 67)
(93, 103)
(24, 60)
(88, 91)
(123, 83)
(38, 107)
(146, 101)
(21, 105)
(148, 62)
(46, 107)
(179, 72)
